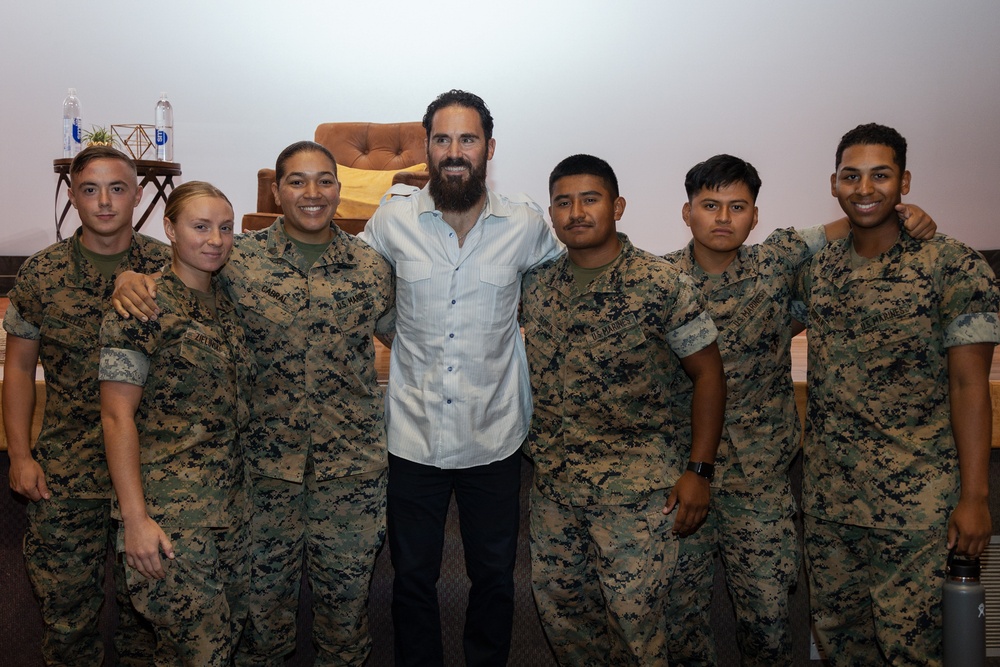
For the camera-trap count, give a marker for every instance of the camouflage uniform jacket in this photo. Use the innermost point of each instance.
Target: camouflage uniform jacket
(310, 328)
(60, 299)
(879, 445)
(750, 303)
(196, 373)
(605, 366)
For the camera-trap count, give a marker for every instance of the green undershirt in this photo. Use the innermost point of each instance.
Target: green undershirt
(106, 264)
(583, 277)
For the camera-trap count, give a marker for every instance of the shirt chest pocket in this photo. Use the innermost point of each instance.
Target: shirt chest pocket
(65, 332)
(892, 337)
(413, 289)
(257, 303)
(500, 287)
(543, 341)
(211, 375)
(625, 347)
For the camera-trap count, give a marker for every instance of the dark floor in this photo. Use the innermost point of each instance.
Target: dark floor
(20, 623)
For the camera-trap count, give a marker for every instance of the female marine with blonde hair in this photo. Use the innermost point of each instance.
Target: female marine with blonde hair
(173, 403)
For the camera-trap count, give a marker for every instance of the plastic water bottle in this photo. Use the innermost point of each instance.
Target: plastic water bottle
(164, 130)
(964, 611)
(72, 125)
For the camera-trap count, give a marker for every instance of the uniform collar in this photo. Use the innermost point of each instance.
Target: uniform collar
(743, 266)
(84, 271)
(280, 245)
(561, 276)
(835, 265)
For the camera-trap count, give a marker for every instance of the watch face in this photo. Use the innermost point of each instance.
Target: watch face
(706, 470)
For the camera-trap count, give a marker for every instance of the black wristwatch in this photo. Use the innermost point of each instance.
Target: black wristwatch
(706, 470)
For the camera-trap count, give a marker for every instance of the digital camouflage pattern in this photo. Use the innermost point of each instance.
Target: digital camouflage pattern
(346, 527)
(65, 552)
(880, 456)
(59, 299)
(879, 446)
(195, 370)
(316, 439)
(310, 328)
(605, 371)
(751, 512)
(750, 303)
(200, 607)
(760, 552)
(599, 575)
(894, 621)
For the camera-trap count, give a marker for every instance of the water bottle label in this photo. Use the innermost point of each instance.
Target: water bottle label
(161, 137)
(77, 130)
(982, 610)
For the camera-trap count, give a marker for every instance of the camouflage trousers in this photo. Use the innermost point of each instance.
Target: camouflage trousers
(750, 527)
(875, 594)
(600, 576)
(65, 550)
(338, 525)
(199, 609)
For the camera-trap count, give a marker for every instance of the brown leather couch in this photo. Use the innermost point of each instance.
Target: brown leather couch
(381, 146)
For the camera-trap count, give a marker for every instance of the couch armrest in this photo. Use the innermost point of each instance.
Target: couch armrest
(265, 198)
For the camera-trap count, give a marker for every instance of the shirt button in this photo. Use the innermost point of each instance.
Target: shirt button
(449, 369)
(453, 302)
(449, 401)
(451, 335)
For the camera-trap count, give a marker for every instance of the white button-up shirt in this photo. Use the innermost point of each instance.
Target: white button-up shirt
(459, 393)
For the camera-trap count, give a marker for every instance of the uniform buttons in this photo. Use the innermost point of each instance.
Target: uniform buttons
(451, 335)
(448, 401)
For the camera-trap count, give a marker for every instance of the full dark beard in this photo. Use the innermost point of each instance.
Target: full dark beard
(450, 193)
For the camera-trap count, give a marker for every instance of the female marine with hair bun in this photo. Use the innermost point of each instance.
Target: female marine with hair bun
(173, 402)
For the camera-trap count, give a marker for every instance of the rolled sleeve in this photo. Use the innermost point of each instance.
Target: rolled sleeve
(973, 328)
(15, 325)
(693, 336)
(119, 365)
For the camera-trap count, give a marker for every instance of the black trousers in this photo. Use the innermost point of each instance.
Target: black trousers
(488, 506)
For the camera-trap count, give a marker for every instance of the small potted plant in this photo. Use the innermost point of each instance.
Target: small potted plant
(98, 136)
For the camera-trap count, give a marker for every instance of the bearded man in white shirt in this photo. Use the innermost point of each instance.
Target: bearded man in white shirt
(458, 405)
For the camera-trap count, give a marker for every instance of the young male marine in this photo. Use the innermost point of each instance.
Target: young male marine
(897, 448)
(748, 291)
(610, 332)
(54, 317)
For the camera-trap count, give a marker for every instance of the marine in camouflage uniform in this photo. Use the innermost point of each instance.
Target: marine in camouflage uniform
(59, 299)
(881, 472)
(196, 371)
(750, 523)
(605, 370)
(316, 441)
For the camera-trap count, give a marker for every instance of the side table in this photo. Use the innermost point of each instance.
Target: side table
(160, 174)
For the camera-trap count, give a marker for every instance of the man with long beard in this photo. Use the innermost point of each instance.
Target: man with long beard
(459, 403)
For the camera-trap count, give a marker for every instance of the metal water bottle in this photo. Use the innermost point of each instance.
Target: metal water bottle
(964, 610)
